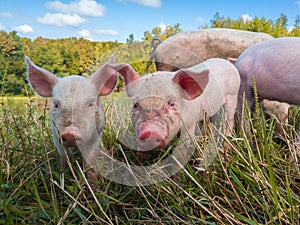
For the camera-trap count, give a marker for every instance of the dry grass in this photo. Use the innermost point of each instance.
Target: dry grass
(251, 181)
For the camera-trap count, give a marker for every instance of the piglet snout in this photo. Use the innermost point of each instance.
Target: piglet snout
(152, 136)
(71, 136)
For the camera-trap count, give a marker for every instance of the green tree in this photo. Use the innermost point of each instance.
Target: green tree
(147, 36)
(130, 39)
(276, 29)
(279, 29)
(295, 31)
(80, 56)
(162, 34)
(46, 54)
(218, 21)
(12, 67)
(77, 55)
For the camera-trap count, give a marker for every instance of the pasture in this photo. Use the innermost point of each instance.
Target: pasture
(254, 179)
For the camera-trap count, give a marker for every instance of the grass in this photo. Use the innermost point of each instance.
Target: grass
(251, 181)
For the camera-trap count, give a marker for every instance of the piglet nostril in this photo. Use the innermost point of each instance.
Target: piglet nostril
(144, 135)
(71, 136)
(150, 139)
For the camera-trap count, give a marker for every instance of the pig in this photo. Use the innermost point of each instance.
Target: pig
(166, 103)
(279, 111)
(192, 47)
(276, 109)
(76, 113)
(275, 66)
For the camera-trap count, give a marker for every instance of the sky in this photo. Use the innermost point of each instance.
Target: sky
(115, 20)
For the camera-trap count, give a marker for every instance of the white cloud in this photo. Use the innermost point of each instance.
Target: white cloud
(59, 19)
(199, 19)
(297, 4)
(81, 7)
(90, 34)
(85, 34)
(247, 17)
(26, 29)
(150, 3)
(2, 27)
(7, 15)
(163, 26)
(107, 31)
(290, 28)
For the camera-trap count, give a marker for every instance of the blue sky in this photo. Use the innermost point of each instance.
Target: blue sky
(110, 20)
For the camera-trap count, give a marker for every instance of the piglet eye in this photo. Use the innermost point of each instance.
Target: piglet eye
(55, 105)
(171, 103)
(135, 105)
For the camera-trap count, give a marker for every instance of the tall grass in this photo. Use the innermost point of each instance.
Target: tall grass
(251, 181)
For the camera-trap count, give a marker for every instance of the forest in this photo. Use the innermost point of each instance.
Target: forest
(82, 57)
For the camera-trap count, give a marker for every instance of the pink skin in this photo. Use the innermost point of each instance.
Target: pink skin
(169, 103)
(76, 112)
(279, 110)
(71, 136)
(156, 116)
(187, 49)
(152, 135)
(275, 66)
(152, 122)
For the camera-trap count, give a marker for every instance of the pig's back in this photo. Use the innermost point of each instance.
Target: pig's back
(223, 75)
(224, 80)
(275, 65)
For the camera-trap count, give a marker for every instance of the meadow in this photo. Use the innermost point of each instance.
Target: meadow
(254, 179)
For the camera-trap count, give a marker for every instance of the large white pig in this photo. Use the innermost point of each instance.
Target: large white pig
(275, 66)
(189, 48)
(165, 103)
(76, 112)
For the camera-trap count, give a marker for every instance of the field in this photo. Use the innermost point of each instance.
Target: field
(254, 179)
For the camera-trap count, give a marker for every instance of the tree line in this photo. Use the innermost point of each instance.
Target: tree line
(79, 56)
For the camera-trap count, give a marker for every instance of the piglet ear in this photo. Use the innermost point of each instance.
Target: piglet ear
(232, 60)
(105, 78)
(41, 80)
(193, 83)
(127, 72)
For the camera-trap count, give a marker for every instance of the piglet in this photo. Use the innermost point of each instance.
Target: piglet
(278, 110)
(76, 112)
(165, 104)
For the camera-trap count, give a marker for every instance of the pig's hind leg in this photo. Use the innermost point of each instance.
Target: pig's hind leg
(230, 106)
